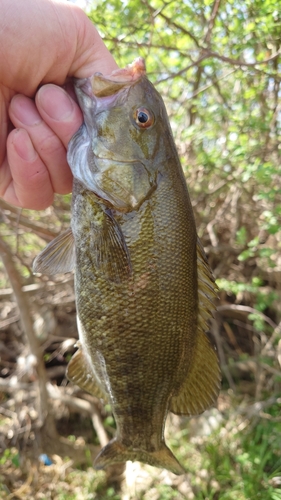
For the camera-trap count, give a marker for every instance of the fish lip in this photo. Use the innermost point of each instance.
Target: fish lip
(103, 87)
(89, 102)
(128, 75)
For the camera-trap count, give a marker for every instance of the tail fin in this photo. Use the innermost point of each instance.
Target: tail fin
(116, 452)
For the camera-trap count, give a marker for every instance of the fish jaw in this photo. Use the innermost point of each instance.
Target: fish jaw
(91, 104)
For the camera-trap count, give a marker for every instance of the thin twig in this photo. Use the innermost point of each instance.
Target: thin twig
(16, 216)
(239, 62)
(82, 406)
(206, 54)
(179, 27)
(246, 309)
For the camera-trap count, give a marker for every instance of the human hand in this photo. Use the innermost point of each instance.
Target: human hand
(41, 42)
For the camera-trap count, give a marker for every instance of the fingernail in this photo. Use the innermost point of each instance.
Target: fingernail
(25, 111)
(23, 145)
(55, 102)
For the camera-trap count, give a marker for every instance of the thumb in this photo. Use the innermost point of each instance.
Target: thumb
(91, 54)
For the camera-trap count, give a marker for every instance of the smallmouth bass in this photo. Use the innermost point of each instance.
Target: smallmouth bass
(144, 290)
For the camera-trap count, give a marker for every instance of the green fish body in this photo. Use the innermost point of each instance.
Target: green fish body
(144, 290)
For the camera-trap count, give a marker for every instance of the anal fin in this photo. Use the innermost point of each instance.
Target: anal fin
(80, 373)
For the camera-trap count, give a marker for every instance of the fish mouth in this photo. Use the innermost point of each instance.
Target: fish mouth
(103, 86)
(108, 87)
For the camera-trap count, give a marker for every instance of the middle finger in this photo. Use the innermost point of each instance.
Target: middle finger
(23, 113)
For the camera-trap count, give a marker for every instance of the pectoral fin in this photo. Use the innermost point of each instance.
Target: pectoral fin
(109, 249)
(58, 256)
(80, 373)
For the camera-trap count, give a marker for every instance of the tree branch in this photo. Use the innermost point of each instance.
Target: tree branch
(215, 10)
(27, 325)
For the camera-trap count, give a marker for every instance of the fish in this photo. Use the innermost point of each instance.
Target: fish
(144, 289)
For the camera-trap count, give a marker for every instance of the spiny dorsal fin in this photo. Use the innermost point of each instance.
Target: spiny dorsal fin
(58, 256)
(80, 373)
(201, 387)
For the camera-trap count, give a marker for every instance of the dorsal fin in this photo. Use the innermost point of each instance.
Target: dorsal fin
(207, 289)
(202, 384)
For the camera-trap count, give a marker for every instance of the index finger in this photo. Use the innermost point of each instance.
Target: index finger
(59, 111)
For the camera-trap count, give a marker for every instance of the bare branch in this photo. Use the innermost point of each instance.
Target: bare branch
(27, 324)
(248, 310)
(16, 217)
(182, 71)
(240, 62)
(215, 10)
(181, 28)
(145, 44)
(208, 54)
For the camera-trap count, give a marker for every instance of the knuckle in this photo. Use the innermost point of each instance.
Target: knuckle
(49, 145)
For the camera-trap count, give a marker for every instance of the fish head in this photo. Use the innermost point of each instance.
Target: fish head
(118, 150)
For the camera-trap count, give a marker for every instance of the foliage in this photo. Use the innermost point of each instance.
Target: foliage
(217, 66)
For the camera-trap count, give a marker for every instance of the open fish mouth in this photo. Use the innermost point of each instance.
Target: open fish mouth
(104, 90)
(103, 86)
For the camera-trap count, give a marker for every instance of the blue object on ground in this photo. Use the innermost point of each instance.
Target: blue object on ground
(45, 459)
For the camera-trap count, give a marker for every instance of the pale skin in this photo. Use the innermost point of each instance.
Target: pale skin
(43, 43)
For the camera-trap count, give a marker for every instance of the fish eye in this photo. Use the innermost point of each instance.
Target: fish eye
(143, 117)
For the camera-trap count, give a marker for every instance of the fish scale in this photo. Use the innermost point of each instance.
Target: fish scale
(144, 290)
